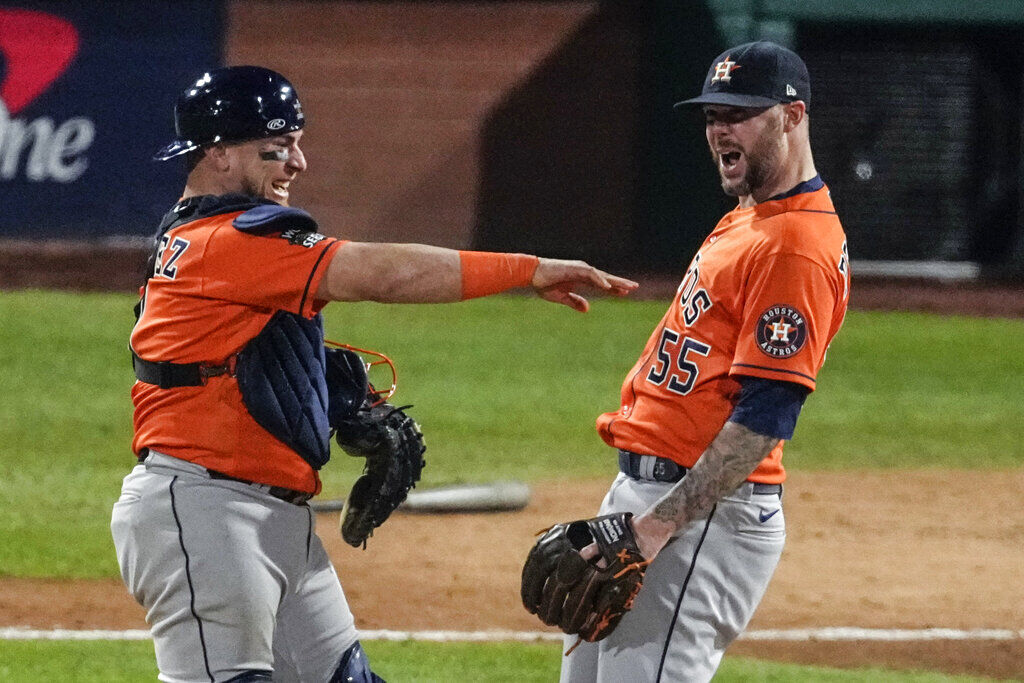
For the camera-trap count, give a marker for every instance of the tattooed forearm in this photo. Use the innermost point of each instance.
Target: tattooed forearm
(727, 462)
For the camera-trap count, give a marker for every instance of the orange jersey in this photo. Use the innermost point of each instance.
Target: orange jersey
(763, 297)
(214, 289)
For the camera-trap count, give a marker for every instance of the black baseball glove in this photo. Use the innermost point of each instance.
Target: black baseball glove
(347, 384)
(579, 596)
(392, 444)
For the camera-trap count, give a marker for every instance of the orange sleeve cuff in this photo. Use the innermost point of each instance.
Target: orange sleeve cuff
(485, 272)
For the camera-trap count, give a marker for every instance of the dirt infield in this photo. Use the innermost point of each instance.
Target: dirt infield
(903, 550)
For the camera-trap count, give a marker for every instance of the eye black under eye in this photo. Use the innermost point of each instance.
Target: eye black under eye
(274, 155)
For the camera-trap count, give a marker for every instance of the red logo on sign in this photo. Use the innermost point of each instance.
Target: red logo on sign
(37, 48)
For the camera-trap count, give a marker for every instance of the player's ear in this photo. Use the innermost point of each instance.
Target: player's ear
(219, 156)
(793, 114)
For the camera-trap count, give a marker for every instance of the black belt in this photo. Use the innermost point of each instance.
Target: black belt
(287, 495)
(166, 374)
(655, 468)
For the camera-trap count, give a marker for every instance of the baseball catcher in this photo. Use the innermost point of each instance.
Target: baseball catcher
(584, 597)
(234, 410)
(367, 426)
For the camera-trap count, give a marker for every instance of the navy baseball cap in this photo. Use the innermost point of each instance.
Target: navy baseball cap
(760, 74)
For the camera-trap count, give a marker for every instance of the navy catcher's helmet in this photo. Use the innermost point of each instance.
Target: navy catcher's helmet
(233, 104)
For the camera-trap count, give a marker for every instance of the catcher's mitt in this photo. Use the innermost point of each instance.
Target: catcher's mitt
(392, 444)
(577, 595)
(347, 384)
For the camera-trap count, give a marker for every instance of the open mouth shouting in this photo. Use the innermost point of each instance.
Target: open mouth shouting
(730, 163)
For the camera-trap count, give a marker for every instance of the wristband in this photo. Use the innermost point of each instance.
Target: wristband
(485, 272)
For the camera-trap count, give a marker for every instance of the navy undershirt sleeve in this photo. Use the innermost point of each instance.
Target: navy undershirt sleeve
(769, 406)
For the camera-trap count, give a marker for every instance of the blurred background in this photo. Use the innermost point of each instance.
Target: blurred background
(544, 127)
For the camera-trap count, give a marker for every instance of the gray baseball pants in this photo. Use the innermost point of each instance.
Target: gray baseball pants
(232, 579)
(698, 595)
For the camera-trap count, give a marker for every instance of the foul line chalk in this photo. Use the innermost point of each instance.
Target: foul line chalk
(22, 633)
(841, 633)
(833, 634)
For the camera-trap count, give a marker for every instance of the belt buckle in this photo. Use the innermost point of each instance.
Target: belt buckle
(227, 368)
(660, 471)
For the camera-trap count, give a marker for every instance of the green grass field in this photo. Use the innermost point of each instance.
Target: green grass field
(506, 387)
(128, 662)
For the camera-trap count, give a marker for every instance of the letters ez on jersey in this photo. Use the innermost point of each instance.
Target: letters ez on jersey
(168, 269)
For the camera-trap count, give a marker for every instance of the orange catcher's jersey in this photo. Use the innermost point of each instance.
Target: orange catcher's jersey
(763, 297)
(213, 289)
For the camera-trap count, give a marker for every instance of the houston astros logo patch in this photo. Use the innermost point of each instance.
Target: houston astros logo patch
(781, 331)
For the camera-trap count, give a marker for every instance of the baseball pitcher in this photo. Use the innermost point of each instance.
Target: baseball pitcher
(659, 585)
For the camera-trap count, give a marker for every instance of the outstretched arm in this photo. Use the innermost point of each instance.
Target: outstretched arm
(726, 463)
(418, 273)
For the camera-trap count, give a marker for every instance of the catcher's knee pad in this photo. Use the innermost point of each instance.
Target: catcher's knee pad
(355, 667)
(253, 676)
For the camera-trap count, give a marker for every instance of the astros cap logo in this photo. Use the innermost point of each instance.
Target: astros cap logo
(724, 69)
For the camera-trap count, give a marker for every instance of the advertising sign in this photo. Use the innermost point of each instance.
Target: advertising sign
(87, 93)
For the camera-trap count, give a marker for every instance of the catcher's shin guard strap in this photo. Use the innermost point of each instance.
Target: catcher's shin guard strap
(485, 272)
(253, 676)
(354, 667)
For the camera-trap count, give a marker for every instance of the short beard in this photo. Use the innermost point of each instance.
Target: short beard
(250, 189)
(762, 161)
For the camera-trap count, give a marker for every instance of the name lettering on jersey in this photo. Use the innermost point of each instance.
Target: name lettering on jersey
(693, 301)
(673, 356)
(177, 247)
(844, 269)
(781, 331)
(302, 238)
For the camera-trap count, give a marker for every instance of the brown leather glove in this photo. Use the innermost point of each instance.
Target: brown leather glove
(579, 596)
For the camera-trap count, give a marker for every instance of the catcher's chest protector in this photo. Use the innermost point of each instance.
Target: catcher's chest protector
(282, 377)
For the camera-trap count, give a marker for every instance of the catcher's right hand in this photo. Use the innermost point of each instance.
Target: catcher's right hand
(392, 444)
(578, 595)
